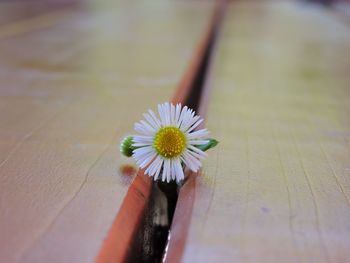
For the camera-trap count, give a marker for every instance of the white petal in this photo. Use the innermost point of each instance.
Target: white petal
(152, 167)
(148, 126)
(182, 114)
(194, 159)
(172, 114)
(197, 134)
(151, 121)
(195, 124)
(177, 114)
(159, 167)
(168, 163)
(172, 170)
(196, 155)
(179, 173)
(161, 114)
(166, 170)
(140, 157)
(158, 162)
(199, 151)
(140, 144)
(140, 138)
(191, 120)
(139, 127)
(149, 168)
(139, 152)
(147, 160)
(142, 150)
(198, 142)
(187, 117)
(190, 161)
(167, 113)
(153, 115)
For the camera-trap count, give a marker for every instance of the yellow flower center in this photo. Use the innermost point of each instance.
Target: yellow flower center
(169, 142)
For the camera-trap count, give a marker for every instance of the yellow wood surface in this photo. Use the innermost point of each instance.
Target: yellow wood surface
(277, 188)
(72, 83)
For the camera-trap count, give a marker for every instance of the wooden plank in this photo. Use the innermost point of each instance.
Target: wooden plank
(277, 187)
(68, 93)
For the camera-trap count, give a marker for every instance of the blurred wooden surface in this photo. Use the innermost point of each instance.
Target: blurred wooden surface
(277, 188)
(72, 83)
(74, 79)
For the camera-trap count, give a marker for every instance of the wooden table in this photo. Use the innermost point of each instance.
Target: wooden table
(74, 79)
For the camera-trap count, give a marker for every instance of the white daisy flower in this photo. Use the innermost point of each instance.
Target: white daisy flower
(168, 142)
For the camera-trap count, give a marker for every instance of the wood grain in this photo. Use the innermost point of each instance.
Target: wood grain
(117, 246)
(277, 187)
(68, 93)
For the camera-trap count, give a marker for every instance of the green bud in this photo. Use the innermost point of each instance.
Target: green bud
(211, 144)
(126, 147)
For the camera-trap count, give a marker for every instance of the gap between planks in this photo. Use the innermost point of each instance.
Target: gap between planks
(118, 242)
(181, 221)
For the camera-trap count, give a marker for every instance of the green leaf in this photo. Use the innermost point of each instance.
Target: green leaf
(211, 144)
